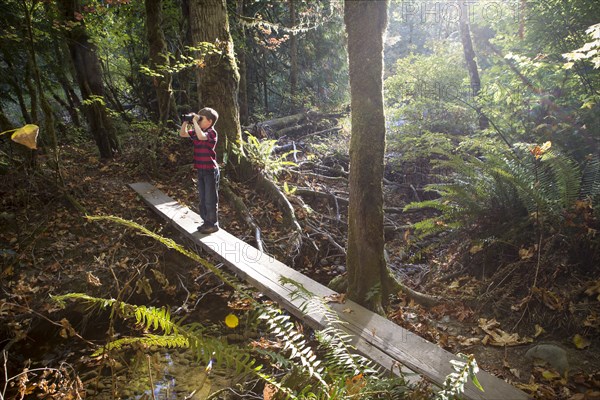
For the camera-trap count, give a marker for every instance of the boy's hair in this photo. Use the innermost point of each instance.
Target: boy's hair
(209, 113)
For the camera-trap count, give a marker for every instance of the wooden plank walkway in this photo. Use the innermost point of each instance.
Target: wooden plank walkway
(375, 336)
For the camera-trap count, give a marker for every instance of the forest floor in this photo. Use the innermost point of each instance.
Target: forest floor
(48, 248)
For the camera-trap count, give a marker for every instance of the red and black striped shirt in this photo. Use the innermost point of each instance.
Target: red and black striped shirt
(205, 156)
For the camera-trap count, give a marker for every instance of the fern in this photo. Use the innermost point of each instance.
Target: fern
(454, 385)
(340, 355)
(259, 153)
(167, 341)
(507, 185)
(192, 337)
(294, 343)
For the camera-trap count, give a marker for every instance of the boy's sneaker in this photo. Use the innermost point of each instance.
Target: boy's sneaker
(206, 228)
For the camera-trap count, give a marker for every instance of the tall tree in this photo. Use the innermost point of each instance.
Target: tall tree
(467, 43)
(293, 59)
(369, 279)
(159, 60)
(89, 78)
(218, 77)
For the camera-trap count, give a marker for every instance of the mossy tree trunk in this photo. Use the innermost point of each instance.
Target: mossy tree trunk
(159, 61)
(89, 78)
(217, 73)
(369, 280)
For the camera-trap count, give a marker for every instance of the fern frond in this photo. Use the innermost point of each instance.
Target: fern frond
(341, 357)
(167, 341)
(294, 343)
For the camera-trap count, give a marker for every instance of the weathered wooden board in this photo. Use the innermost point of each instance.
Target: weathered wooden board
(383, 341)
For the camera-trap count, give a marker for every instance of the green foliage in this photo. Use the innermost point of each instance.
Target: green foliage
(294, 343)
(174, 335)
(260, 154)
(499, 189)
(427, 92)
(454, 385)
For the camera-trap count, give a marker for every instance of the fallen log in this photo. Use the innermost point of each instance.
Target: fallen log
(290, 125)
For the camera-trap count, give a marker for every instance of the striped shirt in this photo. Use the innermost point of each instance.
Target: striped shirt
(205, 156)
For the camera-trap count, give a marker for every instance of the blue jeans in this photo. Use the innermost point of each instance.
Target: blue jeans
(208, 190)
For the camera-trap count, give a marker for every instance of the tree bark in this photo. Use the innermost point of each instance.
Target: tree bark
(159, 61)
(13, 81)
(218, 80)
(243, 92)
(293, 59)
(89, 78)
(368, 276)
(467, 43)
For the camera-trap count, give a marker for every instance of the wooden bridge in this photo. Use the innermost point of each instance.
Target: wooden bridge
(376, 337)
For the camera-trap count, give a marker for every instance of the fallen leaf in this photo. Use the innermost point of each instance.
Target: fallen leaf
(550, 299)
(93, 280)
(498, 337)
(550, 375)
(526, 253)
(269, 391)
(580, 342)
(538, 330)
(348, 310)
(476, 248)
(528, 387)
(336, 298)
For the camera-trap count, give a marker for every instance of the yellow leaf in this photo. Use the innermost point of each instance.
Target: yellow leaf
(550, 375)
(454, 285)
(546, 146)
(580, 342)
(526, 253)
(528, 387)
(538, 330)
(27, 136)
(231, 321)
(476, 248)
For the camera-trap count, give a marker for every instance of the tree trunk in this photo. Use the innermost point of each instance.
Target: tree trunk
(46, 108)
(159, 60)
(467, 43)
(218, 80)
(33, 99)
(293, 59)
(13, 81)
(61, 70)
(368, 275)
(243, 92)
(89, 78)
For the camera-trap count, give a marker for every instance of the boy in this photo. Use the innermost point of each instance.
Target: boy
(204, 137)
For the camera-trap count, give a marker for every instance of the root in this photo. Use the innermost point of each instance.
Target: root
(244, 213)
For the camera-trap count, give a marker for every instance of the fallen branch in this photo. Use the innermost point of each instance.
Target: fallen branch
(269, 187)
(324, 178)
(243, 212)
